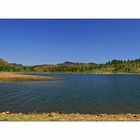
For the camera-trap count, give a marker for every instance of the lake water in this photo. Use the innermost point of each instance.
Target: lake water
(79, 93)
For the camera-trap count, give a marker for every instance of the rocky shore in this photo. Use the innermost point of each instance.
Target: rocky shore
(7, 116)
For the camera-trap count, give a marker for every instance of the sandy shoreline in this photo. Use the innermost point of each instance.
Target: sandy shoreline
(7, 76)
(7, 116)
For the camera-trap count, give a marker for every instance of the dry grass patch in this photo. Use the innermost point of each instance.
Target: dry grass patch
(7, 76)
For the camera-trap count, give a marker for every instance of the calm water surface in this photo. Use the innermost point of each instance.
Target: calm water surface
(79, 93)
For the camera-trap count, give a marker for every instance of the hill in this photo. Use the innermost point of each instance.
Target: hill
(3, 62)
(114, 66)
(10, 67)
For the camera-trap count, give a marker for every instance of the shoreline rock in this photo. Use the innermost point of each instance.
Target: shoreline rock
(55, 116)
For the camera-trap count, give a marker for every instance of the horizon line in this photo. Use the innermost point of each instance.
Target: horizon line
(69, 62)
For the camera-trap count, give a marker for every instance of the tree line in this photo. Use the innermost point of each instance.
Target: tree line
(114, 66)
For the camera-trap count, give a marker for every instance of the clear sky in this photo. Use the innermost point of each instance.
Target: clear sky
(30, 42)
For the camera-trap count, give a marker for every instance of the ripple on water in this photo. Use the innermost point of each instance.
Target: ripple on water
(78, 94)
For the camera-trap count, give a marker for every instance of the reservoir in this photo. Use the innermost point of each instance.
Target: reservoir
(78, 93)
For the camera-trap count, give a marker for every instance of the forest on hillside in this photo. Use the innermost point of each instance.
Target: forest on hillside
(114, 66)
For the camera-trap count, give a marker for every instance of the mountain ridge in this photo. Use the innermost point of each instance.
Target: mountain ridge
(113, 66)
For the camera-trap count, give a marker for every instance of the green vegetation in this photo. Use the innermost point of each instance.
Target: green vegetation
(114, 66)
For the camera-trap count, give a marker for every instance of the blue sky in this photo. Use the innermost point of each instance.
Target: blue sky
(32, 42)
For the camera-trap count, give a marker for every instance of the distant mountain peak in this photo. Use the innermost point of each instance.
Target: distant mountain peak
(66, 63)
(74, 63)
(18, 65)
(92, 63)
